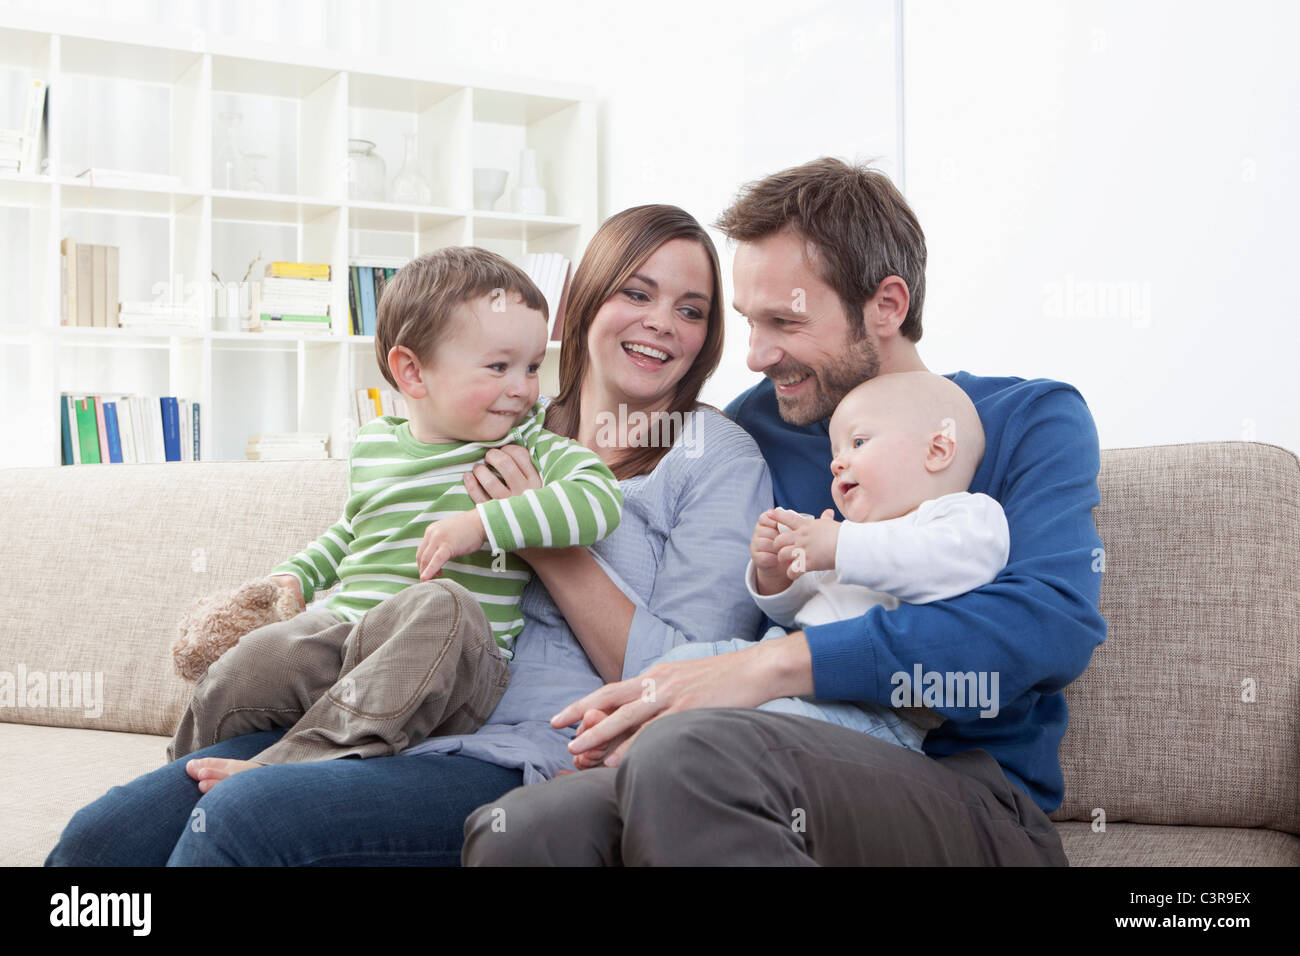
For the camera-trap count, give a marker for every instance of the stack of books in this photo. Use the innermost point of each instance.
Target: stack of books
(373, 402)
(88, 283)
(168, 316)
(286, 446)
(551, 272)
(293, 296)
(367, 279)
(129, 429)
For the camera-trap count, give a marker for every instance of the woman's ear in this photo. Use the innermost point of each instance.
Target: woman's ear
(942, 448)
(406, 369)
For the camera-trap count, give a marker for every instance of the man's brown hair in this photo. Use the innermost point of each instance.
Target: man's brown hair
(858, 228)
(418, 307)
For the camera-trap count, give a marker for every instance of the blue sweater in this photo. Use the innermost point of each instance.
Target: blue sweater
(1035, 625)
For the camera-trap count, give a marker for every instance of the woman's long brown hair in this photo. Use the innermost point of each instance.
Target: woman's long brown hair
(617, 250)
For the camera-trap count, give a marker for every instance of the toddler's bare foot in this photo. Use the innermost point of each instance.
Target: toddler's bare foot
(210, 771)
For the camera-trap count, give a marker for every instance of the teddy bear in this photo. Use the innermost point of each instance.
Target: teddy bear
(217, 622)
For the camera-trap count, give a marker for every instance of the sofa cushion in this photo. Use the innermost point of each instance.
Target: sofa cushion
(102, 561)
(1201, 595)
(1137, 844)
(61, 770)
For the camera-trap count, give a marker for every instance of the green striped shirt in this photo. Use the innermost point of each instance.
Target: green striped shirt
(397, 486)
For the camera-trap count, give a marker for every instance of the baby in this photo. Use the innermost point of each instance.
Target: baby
(462, 332)
(906, 447)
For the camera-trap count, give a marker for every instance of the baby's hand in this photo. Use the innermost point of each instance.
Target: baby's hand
(768, 573)
(447, 539)
(291, 582)
(810, 543)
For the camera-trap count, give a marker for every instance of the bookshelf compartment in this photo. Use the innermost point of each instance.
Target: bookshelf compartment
(23, 231)
(506, 123)
(292, 115)
(240, 252)
(254, 389)
(93, 134)
(157, 256)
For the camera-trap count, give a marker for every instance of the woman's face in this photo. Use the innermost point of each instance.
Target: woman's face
(648, 333)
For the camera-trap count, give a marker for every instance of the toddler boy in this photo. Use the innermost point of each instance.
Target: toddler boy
(462, 333)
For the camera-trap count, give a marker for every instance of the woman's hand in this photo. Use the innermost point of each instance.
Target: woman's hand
(515, 474)
(777, 668)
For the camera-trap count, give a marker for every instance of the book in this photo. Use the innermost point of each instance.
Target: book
(110, 285)
(87, 431)
(381, 280)
(299, 270)
(32, 127)
(99, 285)
(197, 431)
(85, 286)
(65, 432)
(68, 280)
(114, 436)
(366, 284)
(354, 303)
(101, 430)
(126, 428)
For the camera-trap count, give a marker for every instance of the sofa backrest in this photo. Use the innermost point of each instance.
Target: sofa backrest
(99, 563)
(1190, 711)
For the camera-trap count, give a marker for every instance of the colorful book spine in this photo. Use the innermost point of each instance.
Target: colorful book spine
(195, 414)
(170, 429)
(354, 302)
(298, 270)
(366, 281)
(114, 436)
(65, 431)
(87, 436)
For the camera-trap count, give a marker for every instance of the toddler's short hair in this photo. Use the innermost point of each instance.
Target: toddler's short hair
(419, 304)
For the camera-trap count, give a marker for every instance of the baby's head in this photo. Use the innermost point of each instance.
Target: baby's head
(462, 333)
(899, 440)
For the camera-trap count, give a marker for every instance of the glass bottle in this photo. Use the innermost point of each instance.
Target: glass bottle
(409, 187)
(228, 170)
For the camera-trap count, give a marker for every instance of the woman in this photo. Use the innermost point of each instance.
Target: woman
(643, 333)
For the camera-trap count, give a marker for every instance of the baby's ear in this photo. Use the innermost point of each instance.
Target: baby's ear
(942, 448)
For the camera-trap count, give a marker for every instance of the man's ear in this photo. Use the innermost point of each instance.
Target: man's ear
(942, 449)
(406, 369)
(885, 311)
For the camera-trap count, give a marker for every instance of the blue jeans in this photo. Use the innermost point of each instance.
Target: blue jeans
(382, 811)
(864, 717)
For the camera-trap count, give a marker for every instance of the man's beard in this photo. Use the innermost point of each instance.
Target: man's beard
(859, 362)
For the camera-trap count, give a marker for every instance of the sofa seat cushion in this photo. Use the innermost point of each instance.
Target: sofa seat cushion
(61, 769)
(1138, 844)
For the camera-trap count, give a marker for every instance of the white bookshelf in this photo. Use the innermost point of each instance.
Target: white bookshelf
(248, 382)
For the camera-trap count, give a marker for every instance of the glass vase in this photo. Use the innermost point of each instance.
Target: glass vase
(366, 171)
(409, 187)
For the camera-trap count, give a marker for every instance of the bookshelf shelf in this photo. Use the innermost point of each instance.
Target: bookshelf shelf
(191, 239)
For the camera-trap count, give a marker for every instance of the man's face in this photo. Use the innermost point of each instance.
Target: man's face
(798, 334)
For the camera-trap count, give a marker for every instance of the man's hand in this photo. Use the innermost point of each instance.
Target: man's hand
(447, 539)
(747, 678)
(810, 543)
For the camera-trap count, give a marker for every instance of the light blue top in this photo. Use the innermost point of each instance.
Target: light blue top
(679, 554)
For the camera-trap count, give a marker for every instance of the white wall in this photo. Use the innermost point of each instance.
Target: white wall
(1109, 192)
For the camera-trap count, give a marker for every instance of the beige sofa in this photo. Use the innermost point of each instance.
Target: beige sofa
(1201, 591)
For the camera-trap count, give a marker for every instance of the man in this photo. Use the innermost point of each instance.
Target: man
(830, 273)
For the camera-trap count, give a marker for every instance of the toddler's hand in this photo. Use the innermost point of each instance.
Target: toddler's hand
(447, 539)
(292, 583)
(810, 543)
(768, 573)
